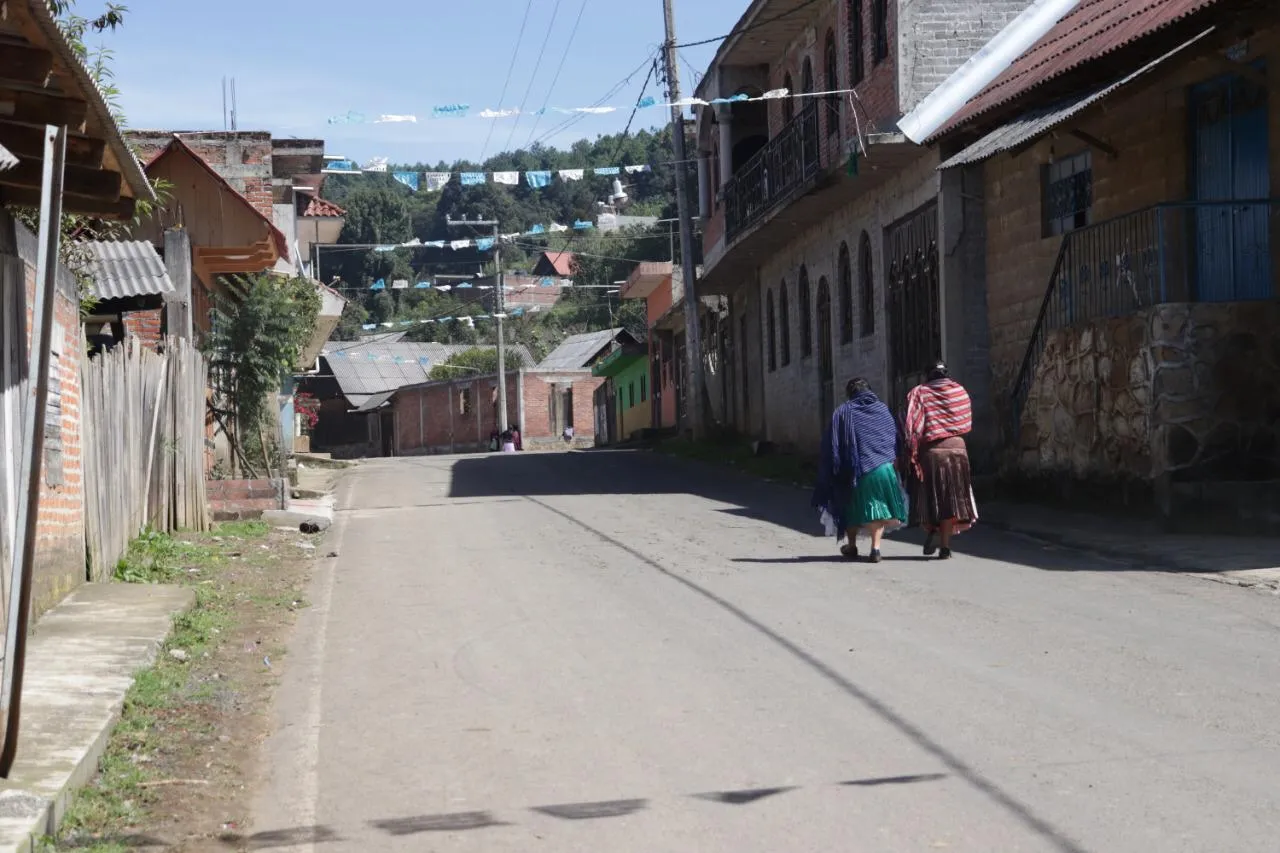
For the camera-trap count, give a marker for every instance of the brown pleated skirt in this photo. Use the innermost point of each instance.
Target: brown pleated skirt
(947, 488)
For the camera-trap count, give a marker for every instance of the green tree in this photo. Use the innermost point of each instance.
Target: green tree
(255, 340)
(474, 362)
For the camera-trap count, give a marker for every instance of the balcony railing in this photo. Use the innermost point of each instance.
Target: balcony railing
(1218, 251)
(785, 163)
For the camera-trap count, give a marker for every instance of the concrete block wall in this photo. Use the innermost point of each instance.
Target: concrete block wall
(791, 392)
(935, 37)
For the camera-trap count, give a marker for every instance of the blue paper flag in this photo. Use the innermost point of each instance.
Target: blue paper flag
(517, 312)
(547, 281)
(422, 285)
(450, 110)
(484, 244)
(380, 284)
(471, 179)
(462, 286)
(537, 180)
(538, 229)
(385, 248)
(341, 166)
(435, 244)
(368, 327)
(608, 170)
(580, 225)
(647, 101)
(409, 179)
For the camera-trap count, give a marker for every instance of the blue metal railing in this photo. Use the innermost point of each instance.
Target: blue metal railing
(1215, 251)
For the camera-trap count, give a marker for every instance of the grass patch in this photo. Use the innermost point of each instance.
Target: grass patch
(168, 710)
(776, 466)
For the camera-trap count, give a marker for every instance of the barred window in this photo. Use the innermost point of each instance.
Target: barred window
(1067, 188)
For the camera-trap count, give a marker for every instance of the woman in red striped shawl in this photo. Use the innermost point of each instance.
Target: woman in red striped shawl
(938, 415)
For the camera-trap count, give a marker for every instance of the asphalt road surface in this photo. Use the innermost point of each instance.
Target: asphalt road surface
(613, 651)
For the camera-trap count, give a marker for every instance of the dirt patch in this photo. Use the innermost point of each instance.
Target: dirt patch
(179, 770)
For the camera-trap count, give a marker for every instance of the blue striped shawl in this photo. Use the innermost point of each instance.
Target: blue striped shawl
(863, 436)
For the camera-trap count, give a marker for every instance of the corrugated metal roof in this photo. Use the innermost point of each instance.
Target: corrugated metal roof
(121, 269)
(373, 402)
(365, 369)
(577, 351)
(1093, 29)
(1039, 122)
(7, 160)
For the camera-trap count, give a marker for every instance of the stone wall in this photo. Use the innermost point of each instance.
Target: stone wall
(1184, 392)
(1087, 415)
(1216, 391)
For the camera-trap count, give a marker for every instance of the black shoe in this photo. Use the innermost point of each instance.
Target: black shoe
(944, 554)
(850, 551)
(930, 545)
(875, 556)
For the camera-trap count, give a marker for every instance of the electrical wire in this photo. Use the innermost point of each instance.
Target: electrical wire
(560, 67)
(510, 67)
(536, 65)
(653, 67)
(754, 26)
(619, 86)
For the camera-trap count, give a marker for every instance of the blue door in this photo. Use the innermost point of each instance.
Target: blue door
(1230, 165)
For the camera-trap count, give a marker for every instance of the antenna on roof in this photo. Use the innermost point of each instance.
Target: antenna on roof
(233, 103)
(224, 102)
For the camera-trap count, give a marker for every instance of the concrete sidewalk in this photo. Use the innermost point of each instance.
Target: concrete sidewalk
(81, 661)
(1250, 561)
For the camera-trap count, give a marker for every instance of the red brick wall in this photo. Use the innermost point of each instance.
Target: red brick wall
(147, 326)
(60, 554)
(240, 499)
(538, 391)
(429, 418)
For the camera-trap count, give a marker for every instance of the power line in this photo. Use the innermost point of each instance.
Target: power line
(754, 26)
(536, 65)
(560, 67)
(643, 86)
(510, 67)
(574, 119)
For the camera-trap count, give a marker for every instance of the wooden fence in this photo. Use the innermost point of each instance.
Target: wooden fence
(144, 446)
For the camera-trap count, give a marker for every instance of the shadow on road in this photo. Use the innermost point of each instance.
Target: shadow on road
(630, 472)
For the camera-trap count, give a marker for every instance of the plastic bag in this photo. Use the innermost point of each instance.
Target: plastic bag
(828, 523)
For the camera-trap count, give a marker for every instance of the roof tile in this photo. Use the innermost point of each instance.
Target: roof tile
(320, 207)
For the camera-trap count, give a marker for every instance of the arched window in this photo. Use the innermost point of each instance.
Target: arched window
(846, 295)
(771, 332)
(806, 315)
(831, 82)
(826, 358)
(856, 36)
(866, 287)
(880, 29)
(784, 323)
(806, 76)
(788, 104)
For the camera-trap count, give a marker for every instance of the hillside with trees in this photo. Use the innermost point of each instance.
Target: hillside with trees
(381, 210)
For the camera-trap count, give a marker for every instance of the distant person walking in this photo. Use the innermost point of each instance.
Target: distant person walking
(939, 415)
(857, 482)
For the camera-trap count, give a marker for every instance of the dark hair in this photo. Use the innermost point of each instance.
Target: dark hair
(939, 371)
(856, 386)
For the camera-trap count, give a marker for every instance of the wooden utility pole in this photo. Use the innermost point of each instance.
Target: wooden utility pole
(692, 315)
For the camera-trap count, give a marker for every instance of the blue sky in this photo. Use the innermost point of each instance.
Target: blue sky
(295, 66)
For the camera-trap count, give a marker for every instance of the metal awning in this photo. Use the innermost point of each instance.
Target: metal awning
(1036, 123)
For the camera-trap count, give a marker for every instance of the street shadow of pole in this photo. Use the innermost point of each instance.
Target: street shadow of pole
(1018, 810)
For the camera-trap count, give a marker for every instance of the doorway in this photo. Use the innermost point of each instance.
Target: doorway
(1230, 162)
(826, 356)
(911, 276)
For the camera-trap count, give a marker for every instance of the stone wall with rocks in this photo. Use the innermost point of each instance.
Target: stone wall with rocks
(1087, 414)
(1216, 391)
(1184, 392)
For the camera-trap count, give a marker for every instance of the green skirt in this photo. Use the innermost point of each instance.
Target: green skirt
(877, 497)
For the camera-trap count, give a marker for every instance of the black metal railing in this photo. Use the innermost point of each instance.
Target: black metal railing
(786, 163)
(1217, 251)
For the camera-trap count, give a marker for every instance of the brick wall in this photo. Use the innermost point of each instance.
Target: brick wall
(538, 394)
(431, 418)
(60, 544)
(242, 158)
(1147, 125)
(231, 500)
(935, 37)
(791, 393)
(147, 326)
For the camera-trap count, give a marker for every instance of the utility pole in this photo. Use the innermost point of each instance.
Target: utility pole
(499, 313)
(692, 317)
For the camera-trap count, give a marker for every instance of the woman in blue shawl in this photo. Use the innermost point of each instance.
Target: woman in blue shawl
(857, 482)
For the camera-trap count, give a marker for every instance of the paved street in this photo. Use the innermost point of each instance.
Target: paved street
(614, 651)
